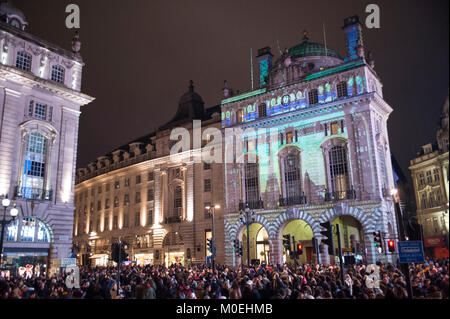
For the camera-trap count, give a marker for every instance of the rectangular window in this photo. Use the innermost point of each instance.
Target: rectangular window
(116, 201)
(435, 225)
(138, 197)
(115, 222)
(125, 220)
(429, 179)
(126, 199)
(99, 190)
(99, 205)
(240, 116)
(137, 219)
(313, 97)
(150, 176)
(138, 179)
(436, 174)
(207, 185)
(23, 61)
(334, 128)
(40, 111)
(106, 203)
(289, 137)
(58, 74)
(421, 179)
(262, 110)
(116, 184)
(207, 211)
(150, 217)
(438, 197)
(150, 194)
(342, 89)
(127, 182)
(30, 108)
(206, 166)
(424, 201)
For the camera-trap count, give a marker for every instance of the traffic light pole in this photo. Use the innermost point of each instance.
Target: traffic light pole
(338, 233)
(248, 239)
(213, 243)
(118, 265)
(401, 233)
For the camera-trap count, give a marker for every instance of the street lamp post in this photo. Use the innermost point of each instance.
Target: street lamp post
(401, 235)
(213, 239)
(247, 223)
(13, 212)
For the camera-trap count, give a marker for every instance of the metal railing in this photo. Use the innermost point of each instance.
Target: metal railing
(172, 220)
(259, 204)
(33, 193)
(340, 195)
(293, 200)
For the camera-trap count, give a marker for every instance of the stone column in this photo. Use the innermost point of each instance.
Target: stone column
(276, 251)
(158, 198)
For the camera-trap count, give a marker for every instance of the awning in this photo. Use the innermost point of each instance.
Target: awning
(98, 256)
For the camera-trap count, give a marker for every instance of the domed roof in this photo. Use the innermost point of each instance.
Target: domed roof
(307, 48)
(190, 96)
(8, 11)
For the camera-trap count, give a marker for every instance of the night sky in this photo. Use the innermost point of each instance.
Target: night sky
(140, 56)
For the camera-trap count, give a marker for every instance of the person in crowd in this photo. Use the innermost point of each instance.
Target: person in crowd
(429, 280)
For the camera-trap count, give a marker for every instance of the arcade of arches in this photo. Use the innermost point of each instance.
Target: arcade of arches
(262, 247)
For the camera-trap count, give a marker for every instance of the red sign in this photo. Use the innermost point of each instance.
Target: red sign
(434, 241)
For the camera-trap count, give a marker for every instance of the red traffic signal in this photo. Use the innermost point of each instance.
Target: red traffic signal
(391, 246)
(300, 248)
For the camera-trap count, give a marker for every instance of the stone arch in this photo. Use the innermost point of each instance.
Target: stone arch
(367, 220)
(238, 227)
(294, 214)
(172, 239)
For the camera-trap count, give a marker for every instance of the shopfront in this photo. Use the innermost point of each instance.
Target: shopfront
(100, 260)
(435, 247)
(144, 259)
(26, 261)
(174, 258)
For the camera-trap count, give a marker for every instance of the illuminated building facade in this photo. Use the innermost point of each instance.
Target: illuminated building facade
(429, 172)
(40, 97)
(154, 202)
(330, 160)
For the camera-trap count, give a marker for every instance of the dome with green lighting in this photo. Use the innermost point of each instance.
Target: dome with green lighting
(307, 48)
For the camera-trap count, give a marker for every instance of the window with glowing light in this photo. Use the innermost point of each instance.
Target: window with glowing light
(33, 176)
(338, 170)
(313, 97)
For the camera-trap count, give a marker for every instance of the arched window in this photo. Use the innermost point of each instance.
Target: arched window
(23, 61)
(34, 170)
(58, 73)
(292, 180)
(338, 170)
(251, 184)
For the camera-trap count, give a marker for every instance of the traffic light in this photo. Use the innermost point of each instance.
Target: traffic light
(391, 246)
(209, 244)
(299, 249)
(377, 239)
(241, 252)
(287, 242)
(116, 251)
(328, 233)
(236, 246)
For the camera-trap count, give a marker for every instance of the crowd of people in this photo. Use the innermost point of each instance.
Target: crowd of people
(306, 281)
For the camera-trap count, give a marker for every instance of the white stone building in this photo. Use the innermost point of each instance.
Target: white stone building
(330, 162)
(40, 101)
(150, 200)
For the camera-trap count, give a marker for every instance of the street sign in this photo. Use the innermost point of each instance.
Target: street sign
(410, 251)
(66, 262)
